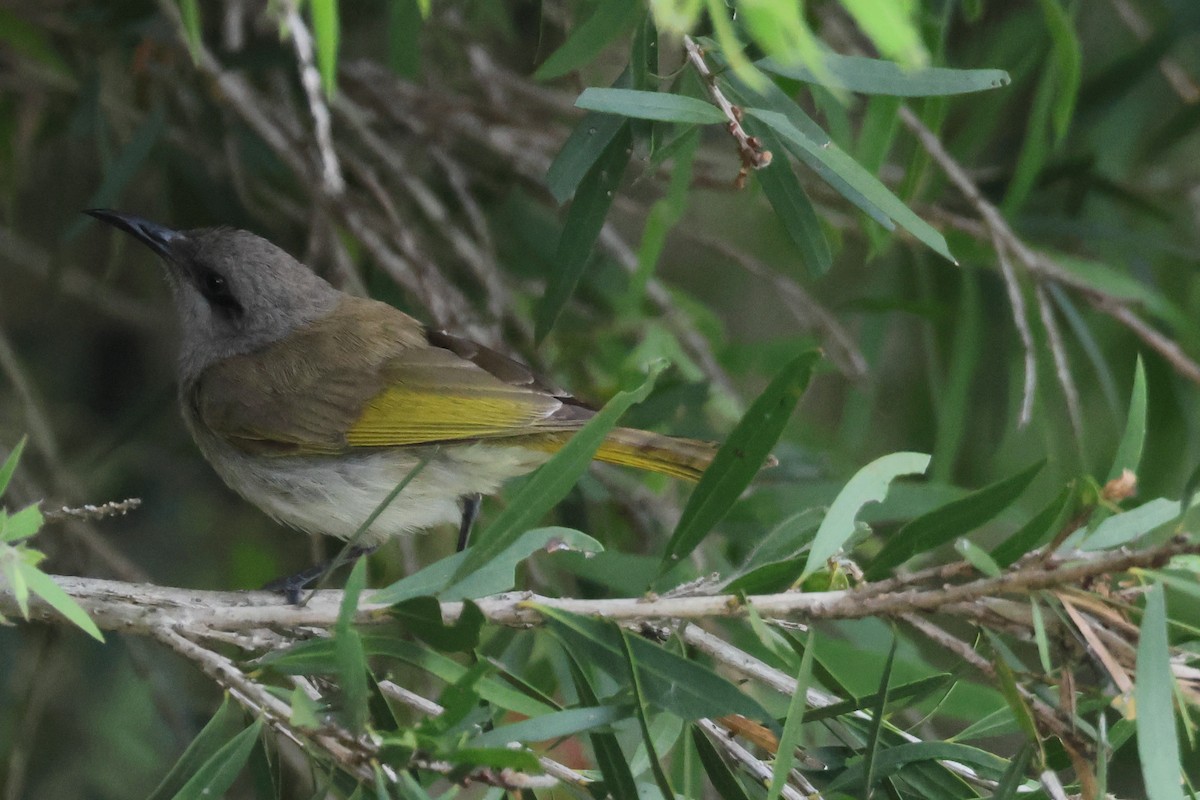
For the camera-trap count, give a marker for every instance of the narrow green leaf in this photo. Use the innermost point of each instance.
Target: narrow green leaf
(951, 520)
(554, 725)
(1034, 532)
(790, 740)
(890, 761)
(1068, 61)
(1122, 529)
(498, 575)
(553, 479)
(318, 656)
(912, 691)
(585, 144)
(189, 11)
(855, 175)
(1157, 741)
(869, 485)
(1014, 775)
(739, 459)
(878, 716)
(877, 77)
(10, 465)
(21, 525)
(639, 707)
(217, 774)
(892, 28)
(11, 567)
(672, 683)
(783, 541)
(610, 19)
(41, 585)
(791, 204)
(581, 229)
(215, 733)
(351, 657)
(660, 106)
(614, 767)
(404, 18)
(730, 46)
(977, 557)
(1129, 451)
(719, 774)
(663, 216)
(1039, 635)
(327, 35)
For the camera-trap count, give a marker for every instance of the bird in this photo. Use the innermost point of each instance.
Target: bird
(314, 404)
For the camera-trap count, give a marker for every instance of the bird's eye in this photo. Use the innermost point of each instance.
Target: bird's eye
(216, 291)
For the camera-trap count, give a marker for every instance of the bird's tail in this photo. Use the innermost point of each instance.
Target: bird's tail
(679, 458)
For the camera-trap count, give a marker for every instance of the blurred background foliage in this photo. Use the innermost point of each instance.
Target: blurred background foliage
(446, 119)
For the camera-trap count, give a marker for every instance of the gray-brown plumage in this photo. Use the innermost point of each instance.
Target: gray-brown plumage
(314, 404)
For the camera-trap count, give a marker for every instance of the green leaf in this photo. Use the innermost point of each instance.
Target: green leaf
(554, 725)
(10, 464)
(874, 76)
(1014, 775)
(350, 655)
(729, 45)
(1122, 529)
(422, 616)
(305, 710)
(1129, 451)
(1068, 61)
(497, 575)
(660, 106)
(893, 759)
(639, 706)
(878, 718)
(950, 521)
(790, 740)
(614, 767)
(739, 459)
(856, 176)
(11, 567)
(41, 585)
(217, 774)
(553, 479)
(1157, 742)
(495, 758)
(21, 525)
(1039, 635)
(586, 143)
(584, 221)
(610, 20)
(215, 733)
(672, 683)
(891, 27)
(663, 216)
(977, 557)
(327, 36)
(318, 656)
(790, 203)
(189, 12)
(719, 774)
(869, 485)
(1034, 532)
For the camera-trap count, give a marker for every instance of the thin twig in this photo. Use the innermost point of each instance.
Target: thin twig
(750, 149)
(113, 508)
(1016, 299)
(1062, 369)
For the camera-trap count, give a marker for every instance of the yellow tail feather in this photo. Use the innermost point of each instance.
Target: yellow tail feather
(679, 458)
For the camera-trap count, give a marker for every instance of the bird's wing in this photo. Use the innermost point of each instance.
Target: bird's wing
(369, 376)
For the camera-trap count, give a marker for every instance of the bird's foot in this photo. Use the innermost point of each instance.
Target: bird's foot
(293, 586)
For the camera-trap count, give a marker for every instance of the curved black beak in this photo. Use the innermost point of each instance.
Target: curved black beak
(151, 234)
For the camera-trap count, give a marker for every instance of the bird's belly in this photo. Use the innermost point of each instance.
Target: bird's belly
(335, 495)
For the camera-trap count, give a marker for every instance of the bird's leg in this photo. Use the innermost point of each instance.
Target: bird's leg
(470, 510)
(292, 585)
